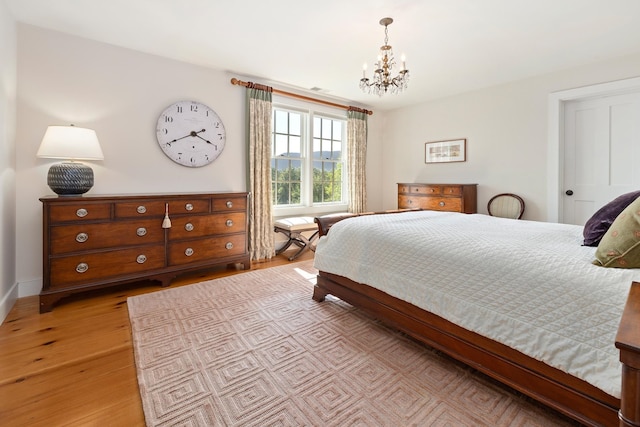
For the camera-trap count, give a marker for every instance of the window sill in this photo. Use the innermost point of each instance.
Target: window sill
(282, 212)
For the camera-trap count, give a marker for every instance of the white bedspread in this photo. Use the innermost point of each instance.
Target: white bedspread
(529, 285)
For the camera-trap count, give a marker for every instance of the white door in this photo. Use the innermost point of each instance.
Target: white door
(601, 153)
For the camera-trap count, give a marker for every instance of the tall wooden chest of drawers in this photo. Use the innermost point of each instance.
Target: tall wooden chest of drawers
(439, 197)
(93, 242)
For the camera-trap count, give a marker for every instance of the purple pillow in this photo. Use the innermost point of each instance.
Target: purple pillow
(600, 222)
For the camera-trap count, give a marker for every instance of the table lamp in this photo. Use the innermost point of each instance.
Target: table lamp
(73, 143)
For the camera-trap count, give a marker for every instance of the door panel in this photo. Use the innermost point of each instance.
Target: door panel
(602, 145)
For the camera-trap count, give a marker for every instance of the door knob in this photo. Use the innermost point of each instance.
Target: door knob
(569, 192)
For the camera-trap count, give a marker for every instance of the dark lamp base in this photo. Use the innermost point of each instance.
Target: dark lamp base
(70, 178)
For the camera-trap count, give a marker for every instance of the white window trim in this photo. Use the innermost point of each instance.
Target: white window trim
(311, 110)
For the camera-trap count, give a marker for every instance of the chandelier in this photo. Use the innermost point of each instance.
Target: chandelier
(383, 80)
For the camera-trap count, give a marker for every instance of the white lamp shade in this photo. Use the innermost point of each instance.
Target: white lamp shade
(70, 142)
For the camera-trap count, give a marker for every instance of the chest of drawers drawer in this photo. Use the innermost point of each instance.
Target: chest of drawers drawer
(84, 211)
(70, 270)
(88, 236)
(156, 208)
(192, 251)
(203, 225)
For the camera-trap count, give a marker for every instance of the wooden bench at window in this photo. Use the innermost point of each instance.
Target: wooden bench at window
(293, 229)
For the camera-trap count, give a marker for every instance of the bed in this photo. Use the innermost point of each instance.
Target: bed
(519, 301)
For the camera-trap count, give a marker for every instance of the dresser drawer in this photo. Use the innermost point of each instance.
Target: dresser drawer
(148, 208)
(205, 249)
(82, 237)
(207, 225)
(449, 204)
(230, 203)
(452, 190)
(67, 271)
(409, 202)
(425, 189)
(79, 212)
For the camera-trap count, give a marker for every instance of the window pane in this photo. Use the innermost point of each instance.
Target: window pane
(337, 130)
(326, 128)
(280, 146)
(295, 193)
(281, 121)
(337, 150)
(295, 149)
(295, 124)
(317, 149)
(316, 127)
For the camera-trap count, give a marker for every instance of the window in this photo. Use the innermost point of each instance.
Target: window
(308, 161)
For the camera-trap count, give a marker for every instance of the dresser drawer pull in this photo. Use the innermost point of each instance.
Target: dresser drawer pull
(188, 207)
(188, 251)
(141, 259)
(229, 245)
(81, 213)
(82, 237)
(441, 204)
(229, 204)
(188, 226)
(141, 209)
(82, 267)
(229, 223)
(141, 231)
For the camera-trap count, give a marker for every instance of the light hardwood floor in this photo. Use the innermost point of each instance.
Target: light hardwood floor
(74, 366)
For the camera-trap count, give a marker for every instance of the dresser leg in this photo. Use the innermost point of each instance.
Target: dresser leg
(48, 301)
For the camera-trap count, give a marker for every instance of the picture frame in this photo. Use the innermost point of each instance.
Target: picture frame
(452, 150)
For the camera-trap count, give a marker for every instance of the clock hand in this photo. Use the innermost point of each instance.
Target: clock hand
(192, 133)
(205, 140)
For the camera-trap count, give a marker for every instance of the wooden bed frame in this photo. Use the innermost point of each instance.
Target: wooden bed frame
(559, 390)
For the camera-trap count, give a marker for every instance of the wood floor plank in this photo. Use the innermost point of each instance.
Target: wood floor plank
(74, 366)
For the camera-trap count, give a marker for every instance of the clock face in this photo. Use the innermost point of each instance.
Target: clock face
(190, 133)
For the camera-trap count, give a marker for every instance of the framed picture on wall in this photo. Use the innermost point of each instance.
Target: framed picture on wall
(453, 150)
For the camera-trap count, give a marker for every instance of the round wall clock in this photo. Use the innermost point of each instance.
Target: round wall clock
(190, 133)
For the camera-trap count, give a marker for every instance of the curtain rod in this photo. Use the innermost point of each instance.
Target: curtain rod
(235, 81)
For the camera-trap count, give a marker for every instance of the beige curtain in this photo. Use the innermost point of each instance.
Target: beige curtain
(357, 153)
(261, 236)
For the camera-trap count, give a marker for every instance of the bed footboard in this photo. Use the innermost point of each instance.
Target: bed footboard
(559, 390)
(628, 342)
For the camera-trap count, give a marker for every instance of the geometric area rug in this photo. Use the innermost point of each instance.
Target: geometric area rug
(253, 349)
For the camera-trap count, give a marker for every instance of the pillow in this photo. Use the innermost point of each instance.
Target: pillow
(620, 245)
(600, 222)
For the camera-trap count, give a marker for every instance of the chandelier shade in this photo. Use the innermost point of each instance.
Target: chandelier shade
(383, 79)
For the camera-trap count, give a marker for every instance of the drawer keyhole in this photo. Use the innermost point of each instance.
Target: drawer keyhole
(82, 237)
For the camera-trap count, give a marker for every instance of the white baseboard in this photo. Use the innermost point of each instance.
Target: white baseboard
(7, 302)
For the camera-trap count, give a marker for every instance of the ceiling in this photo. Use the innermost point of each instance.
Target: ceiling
(451, 46)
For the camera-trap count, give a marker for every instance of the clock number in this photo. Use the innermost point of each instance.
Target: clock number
(179, 108)
(194, 108)
(168, 119)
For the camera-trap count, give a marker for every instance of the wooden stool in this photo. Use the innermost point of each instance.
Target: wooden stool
(293, 229)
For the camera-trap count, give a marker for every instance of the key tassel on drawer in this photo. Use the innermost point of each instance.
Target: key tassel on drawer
(166, 222)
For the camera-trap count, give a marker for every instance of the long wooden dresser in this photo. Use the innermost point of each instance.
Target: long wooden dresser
(92, 242)
(439, 197)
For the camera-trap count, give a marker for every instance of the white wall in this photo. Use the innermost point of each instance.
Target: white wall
(506, 131)
(8, 61)
(120, 93)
